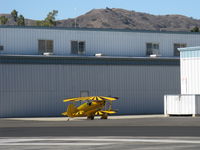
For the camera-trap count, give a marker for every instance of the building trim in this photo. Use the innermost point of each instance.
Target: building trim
(197, 48)
(86, 60)
(189, 52)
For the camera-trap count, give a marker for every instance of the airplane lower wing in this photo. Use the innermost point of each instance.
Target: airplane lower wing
(101, 112)
(109, 111)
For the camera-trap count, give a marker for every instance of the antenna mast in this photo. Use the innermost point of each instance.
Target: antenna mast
(75, 18)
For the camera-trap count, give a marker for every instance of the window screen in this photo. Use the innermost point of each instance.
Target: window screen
(81, 47)
(152, 48)
(49, 46)
(155, 46)
(74, 47)
(41, 46)
(77, 47)
(45, 46)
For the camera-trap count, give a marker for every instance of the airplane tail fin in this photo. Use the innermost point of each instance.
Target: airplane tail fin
(71, 109)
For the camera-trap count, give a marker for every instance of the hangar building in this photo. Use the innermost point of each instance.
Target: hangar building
(40, 66)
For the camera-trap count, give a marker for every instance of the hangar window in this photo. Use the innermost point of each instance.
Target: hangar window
(176, 46)
(77, 47)
(45, 46)
(152, 48)
(1, 47)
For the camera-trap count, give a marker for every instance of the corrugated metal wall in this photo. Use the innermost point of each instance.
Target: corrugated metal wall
(190, 74)
(180, 104)
(190, 71)
(112, 43)
(184, 104)
(38, 89)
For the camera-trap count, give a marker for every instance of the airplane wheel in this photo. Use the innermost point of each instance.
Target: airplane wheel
(90, 117)
(104, 116)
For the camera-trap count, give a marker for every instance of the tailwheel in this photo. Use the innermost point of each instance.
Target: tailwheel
(104, 116)
(90, 117)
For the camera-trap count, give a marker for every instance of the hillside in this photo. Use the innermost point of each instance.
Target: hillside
(124, 19)
(11, 21)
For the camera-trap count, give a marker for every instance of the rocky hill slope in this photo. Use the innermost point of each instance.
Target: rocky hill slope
(124, 19)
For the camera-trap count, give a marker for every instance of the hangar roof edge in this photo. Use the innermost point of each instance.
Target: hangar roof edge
(98, 29)
(189, 48)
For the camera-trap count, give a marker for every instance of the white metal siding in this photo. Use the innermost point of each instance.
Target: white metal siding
(190, 73)
(38, 90)
(182, 104)
(24, 41)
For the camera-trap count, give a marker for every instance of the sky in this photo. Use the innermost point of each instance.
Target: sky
(38, 9)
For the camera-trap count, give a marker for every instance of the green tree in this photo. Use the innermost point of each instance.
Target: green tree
(3, 20)
(195, 29)
(42, 23)
(39, 23)
(50, 20)
(14, 14)
(21, 20)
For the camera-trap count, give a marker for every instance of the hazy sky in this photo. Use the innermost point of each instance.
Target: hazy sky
(38, 9)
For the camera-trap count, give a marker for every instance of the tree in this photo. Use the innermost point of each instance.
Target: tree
(14, 14)
(50, 20)
(42, 23)
(39, 23)
(51, 17)
(3, 20)
(195, 29)
(21, 20)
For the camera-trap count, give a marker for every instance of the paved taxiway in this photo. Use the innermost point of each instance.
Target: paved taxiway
(101, 143)
(137, 132)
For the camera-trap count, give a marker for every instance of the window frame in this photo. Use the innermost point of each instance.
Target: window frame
(47, 48)
(78, 51)
(81, 50)
(152, 48)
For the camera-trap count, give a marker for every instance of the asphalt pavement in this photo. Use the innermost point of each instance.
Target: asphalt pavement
(145, 132)
(143, 126)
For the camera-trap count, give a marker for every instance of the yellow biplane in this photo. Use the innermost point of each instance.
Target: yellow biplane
(94, 106)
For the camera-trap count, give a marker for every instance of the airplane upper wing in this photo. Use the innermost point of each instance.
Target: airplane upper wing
(93, 98)
(75, 99)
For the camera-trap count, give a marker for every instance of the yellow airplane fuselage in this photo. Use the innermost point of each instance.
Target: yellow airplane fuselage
(86, 109)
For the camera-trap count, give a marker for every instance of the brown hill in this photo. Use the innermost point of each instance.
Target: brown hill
(124, 19)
